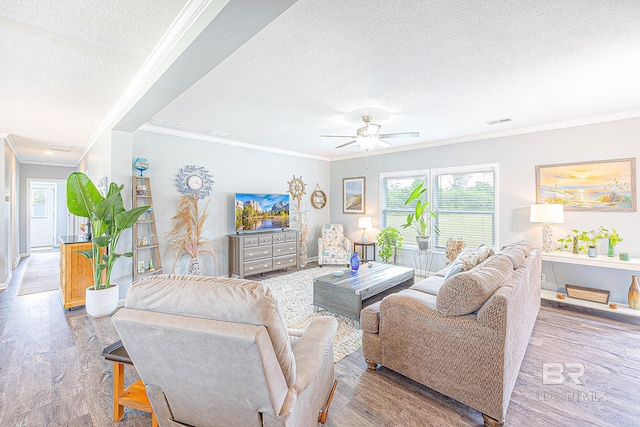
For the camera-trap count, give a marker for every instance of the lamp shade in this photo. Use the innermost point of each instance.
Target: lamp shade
(367, 142)
(364, 222)
(551, 213)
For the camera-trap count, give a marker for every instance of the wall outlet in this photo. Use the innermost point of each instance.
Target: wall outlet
(177, 270)
(542, 278)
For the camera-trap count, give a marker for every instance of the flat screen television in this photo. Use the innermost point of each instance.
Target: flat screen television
(258, 212)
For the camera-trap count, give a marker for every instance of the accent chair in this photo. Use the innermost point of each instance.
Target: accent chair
(333, 247)
(217, 352)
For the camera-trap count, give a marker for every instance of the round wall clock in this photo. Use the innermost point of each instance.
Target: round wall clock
(194, 181)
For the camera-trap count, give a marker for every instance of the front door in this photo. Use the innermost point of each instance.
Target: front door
(42, 214)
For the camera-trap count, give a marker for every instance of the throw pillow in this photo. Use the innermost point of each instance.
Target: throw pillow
(466, 260)
(483, 252)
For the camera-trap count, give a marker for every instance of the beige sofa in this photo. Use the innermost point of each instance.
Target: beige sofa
(464, 337)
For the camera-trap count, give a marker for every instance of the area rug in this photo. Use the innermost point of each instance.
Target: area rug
(42, 273)
(295, 296)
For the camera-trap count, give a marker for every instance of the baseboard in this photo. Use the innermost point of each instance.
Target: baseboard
(17, 261)
(5, 285)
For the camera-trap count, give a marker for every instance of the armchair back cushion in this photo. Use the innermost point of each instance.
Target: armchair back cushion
(333, 247)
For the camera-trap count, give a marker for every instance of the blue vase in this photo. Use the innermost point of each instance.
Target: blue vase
(592, 251)
(355, 261)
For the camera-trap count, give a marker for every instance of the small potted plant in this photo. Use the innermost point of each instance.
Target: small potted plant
(389, 241)
(574, 239)
(613, 239)
(108, 219)
(420, 217)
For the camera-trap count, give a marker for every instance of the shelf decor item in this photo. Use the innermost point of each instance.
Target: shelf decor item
(613, 239)
(355, 262)
(141, 164)
(588, 294)
(592, 251)
(634, 294)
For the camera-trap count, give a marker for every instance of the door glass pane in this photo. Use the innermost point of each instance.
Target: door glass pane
(38, 203)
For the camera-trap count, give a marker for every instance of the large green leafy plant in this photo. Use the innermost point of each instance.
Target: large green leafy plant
(389, 241)
(420, 217)
(108, 219)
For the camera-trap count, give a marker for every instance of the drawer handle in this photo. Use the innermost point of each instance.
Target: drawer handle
(278, 263)
(266, 265)
(251, 254)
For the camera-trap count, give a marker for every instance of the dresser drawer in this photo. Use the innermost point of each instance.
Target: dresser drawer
(284, 261)
(250, 241)
(259, 252)
(291, 237)
(286, 249)
(279, 238)
(258, 266)
(265, 240)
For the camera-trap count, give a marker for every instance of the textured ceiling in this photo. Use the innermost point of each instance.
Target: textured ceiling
(439, 67)
(65, 63)
(442, 68)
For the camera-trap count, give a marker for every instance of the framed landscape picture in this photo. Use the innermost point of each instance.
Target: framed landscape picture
(353, 200)
(603, 185)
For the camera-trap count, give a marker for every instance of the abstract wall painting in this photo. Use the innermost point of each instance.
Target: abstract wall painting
(603, 185)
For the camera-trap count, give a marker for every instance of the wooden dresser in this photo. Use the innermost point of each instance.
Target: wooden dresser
(75, 271)
(254, 253)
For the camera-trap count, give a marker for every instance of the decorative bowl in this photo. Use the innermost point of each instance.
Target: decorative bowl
(338, 273)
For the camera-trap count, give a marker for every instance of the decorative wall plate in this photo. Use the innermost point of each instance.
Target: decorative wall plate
(194, 181)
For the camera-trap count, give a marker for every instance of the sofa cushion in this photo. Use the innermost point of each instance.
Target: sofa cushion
(517, 252)
(430, 285)
(466, 292)
(483, 252)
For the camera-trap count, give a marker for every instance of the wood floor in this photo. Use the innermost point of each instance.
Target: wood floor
(52, 374)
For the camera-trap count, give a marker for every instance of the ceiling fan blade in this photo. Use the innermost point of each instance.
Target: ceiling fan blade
(348, 143)
(337, 136)
(400, 135)
(383, 143)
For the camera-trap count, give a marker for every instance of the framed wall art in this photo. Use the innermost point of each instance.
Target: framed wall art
(603, 185)
(353, 199)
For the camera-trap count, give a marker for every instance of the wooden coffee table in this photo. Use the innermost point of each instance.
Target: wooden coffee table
(351, 292)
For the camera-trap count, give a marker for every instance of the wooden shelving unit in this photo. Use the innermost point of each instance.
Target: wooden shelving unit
(146, 248)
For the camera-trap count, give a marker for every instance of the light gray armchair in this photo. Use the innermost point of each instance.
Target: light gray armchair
(217, 352)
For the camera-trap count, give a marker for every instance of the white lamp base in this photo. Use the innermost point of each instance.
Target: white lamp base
(365, 239)
(547, 238)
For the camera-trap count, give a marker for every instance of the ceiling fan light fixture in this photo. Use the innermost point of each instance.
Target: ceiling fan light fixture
(367, 142)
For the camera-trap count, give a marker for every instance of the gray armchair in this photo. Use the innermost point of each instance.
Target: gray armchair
(217, 352)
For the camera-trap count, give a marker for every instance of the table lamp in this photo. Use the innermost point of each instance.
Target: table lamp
(547, 214)
(364, 223)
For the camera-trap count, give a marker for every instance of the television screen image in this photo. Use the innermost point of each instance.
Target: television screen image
(255, 212)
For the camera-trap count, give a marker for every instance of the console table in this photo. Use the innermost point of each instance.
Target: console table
(254, 253)
(602, 261)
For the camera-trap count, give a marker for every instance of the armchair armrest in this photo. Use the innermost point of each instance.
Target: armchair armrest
(346, 243)
(310, 351)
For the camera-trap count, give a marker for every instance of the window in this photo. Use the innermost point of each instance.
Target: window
(465, 202)
(395, 188)
(38, 203)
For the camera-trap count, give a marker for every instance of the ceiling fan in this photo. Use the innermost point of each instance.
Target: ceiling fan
(368, 136)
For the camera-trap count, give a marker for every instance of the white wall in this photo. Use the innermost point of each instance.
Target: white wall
(234, 170)
(517, 157)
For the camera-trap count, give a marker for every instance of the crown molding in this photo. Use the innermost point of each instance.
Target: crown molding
(41, 163)
(195, 136)
(7, 137)
(490, 135)
(187, 17)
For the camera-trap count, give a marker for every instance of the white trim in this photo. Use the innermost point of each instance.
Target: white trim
(7, 137)
(41, 163)
(187, 17)
(498, 134)
(208, 138)
(5, 285)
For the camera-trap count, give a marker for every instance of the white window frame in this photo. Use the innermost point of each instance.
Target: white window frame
(496, 193)
(413, 245)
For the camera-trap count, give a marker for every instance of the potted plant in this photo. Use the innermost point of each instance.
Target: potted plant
(613, 237)
(389, 241)
(420, 217)
(108, 219)
(185, 237)
(574, 238)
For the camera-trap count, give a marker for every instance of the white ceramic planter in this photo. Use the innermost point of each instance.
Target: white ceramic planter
(103, 302)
